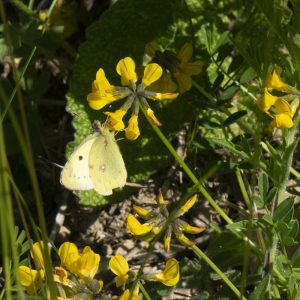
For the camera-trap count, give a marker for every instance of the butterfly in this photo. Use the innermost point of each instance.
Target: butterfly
(96, 163)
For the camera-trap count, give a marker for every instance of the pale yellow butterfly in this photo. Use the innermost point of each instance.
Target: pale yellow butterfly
(96, 163)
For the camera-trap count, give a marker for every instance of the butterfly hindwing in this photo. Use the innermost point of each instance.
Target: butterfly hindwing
(106, 166)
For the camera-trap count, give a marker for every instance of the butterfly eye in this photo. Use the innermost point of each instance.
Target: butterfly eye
(80, 157)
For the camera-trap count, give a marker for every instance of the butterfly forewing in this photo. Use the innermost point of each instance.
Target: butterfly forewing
(75, 174)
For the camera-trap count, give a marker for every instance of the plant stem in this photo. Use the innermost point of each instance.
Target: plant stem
(145, 293)
(202, 255)
(188, 171)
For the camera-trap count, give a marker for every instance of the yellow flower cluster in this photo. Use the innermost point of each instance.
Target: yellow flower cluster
(76, 271)
(75, 274)
(177, 66)
(119, 266)
(103, 93)
(278, 108)
(156, 220)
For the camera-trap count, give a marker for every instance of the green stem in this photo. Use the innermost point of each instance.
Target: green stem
(243, 190)
(188, 171)
(145, 293)
(202, 255)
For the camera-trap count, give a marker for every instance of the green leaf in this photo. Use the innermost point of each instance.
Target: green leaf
(263, 185)
(229, 92)
(283, 209)
(4, 50)
(248, 75)
(296, 258)
(223, 39)
(234, 117)
(260, 291)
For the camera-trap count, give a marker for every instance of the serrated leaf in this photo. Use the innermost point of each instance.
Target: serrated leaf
(234, 117)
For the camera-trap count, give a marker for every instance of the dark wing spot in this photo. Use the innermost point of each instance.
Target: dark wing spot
(80, 157)
(102, 168)
(91, 167)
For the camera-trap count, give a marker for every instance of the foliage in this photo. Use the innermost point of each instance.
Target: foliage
(225, 79)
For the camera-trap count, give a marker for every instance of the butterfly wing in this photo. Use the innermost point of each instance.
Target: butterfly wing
(75, 174)
(106, 165)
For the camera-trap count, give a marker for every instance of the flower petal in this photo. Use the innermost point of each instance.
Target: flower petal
(159, 96)
(68, 253)
(87, 264)
(136, 228)
(152, 73)
(170, 275)
(188, 205)
(283, 107)
(266, 101)
(127, 296)
(31, 279)
(184, 240)
(132, 132)
(114, 121)
(126, 69)
(274, 80)
(119, 266)
(37, 254)
(282, 121)
(142, 212)
(152, 117)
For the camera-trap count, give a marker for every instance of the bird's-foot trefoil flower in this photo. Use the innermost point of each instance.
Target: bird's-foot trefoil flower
(119, 266)
(155, 220)
(31, 279)
(84, 265)
(280, 108)
(136, 94)
(177, 66)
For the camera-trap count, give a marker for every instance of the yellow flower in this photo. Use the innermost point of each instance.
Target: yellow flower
(61, 276)
(127, 296)
(84, 265)
(178, 65)
(126, 69)
(157, 219)
(274, 80)
(152, 117)
(68, 253)
(119, 266)
(37, 254)
(281, 121)
(170, 275)
(266, 101)
(87, 264)
(136, 94)
(31, 279)
(114, 121)
(136, 228)
(132, 132)
(103, 92)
